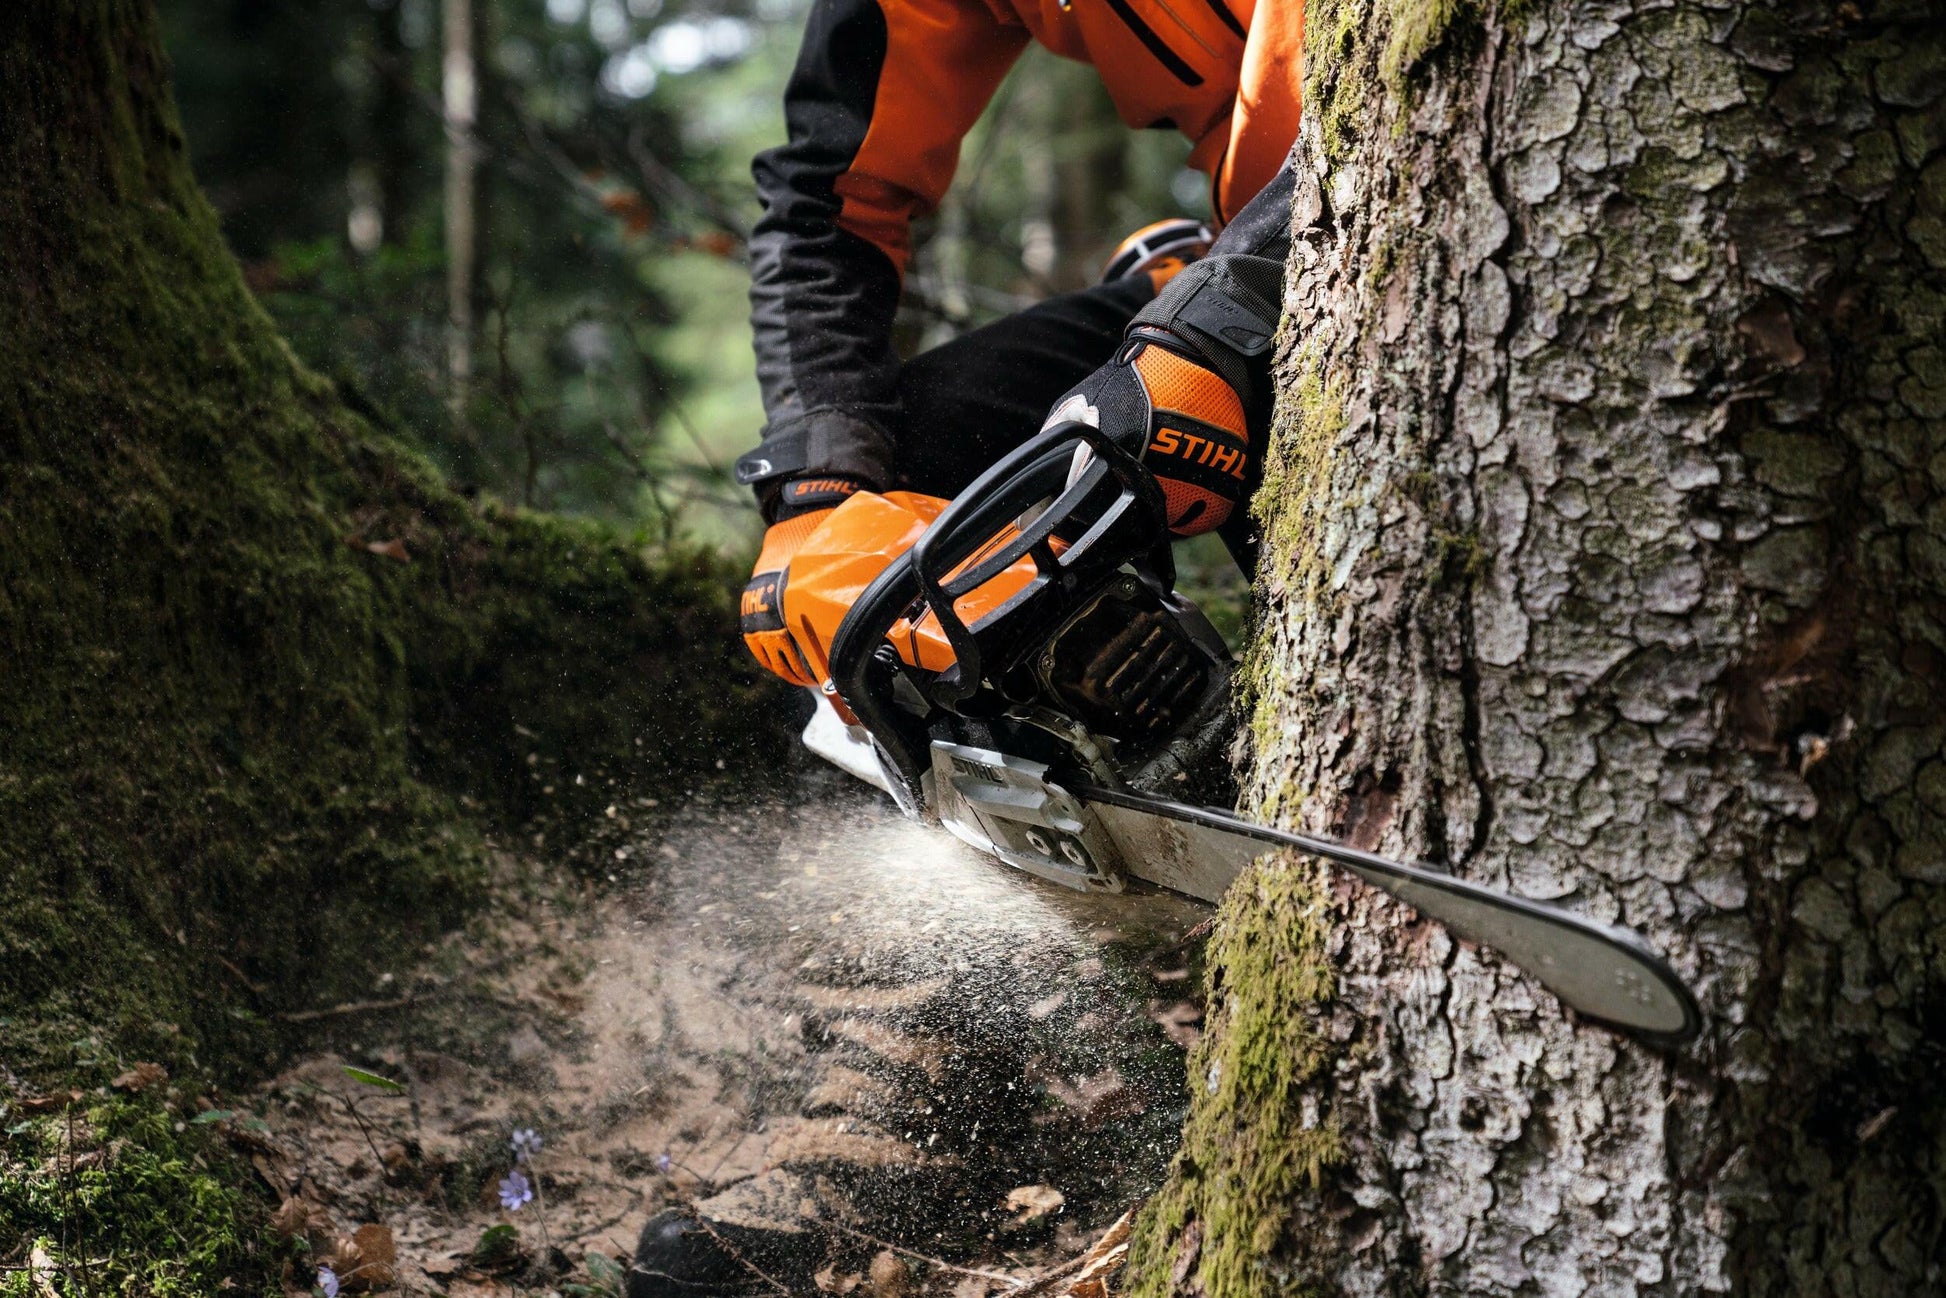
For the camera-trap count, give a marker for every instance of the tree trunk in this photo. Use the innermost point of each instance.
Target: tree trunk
(459, 97)
(387, 129)
(1606, 560)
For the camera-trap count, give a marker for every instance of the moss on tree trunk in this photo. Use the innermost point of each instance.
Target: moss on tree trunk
(1607, 519)
(251, 650)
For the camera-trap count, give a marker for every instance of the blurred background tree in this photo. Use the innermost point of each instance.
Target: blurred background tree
(590, 353)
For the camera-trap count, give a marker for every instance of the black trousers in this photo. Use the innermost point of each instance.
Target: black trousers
(968, 402)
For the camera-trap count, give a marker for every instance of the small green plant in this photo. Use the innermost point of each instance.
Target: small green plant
(498, 1249)
(606, 1279)
(376, 1081)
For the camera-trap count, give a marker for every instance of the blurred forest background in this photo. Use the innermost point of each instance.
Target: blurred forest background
(512, 230)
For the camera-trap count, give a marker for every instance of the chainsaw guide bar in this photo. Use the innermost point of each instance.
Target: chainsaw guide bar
(1064, 707)
(1085, 836)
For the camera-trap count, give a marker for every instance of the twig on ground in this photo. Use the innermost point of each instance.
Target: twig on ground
(240, 976)
(737, 1144)
(929, 1260)
(454, 992)
(737, 1254)
(378, 1159)
(1195, 934)
(1047, 1280)
(580, 1235)
(1107, 1254)
(349, 1007)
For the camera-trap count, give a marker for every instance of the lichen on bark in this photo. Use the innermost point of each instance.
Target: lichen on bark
(1619, 582)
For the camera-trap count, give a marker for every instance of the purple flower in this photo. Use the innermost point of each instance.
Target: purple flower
(328, 1281)
(663, 1163)
(527, 1143)
(515, 1190)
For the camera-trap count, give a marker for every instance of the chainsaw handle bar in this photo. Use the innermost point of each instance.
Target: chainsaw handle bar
(1020, 480)
(853, 651)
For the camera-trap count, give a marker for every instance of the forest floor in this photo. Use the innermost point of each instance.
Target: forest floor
(815, 1017)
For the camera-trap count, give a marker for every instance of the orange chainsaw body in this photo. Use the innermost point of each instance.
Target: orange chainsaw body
(851, 548)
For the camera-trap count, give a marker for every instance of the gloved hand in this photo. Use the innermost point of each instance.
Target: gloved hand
(803, 506)
(1160, 398)
(1189, 382)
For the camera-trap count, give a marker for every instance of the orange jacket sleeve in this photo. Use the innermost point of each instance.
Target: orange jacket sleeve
(882, 94)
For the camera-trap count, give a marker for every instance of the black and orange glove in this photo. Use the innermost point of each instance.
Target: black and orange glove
(802, 507)
(1180, 390)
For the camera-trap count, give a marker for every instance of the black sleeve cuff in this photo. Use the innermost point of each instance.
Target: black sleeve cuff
(816, 443)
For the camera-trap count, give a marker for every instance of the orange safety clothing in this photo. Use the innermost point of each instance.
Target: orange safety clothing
(883, 93)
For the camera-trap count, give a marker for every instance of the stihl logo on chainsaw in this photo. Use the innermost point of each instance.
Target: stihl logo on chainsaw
(1198, 449)
(979, 770)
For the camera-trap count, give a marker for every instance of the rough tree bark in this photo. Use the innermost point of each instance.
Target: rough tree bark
(1606, 516)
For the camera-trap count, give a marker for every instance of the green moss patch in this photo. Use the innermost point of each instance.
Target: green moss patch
(1297, 480)
(1251, 1150)
(122, 1197)
(1416, 29)
(1361, 56)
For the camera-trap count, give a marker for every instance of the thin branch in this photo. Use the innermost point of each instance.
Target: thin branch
(928, 1260)
(1045, 1282)
(710, 1180)
(1113, 1240)
(433, 108)
(659, 176)
(240, 976)
(737, 1254)
(349, 1007)
(631, 457)
(676, 407)
(556, 158)
(378, 1159)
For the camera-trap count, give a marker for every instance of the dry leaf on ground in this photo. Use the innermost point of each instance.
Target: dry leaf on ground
(1032, 1202)
(1103, 1260)
(140, 1078)
(42, 1271)
(477, 1289)
(300, 1218)
(890, 1276)
(830, 1280)
(441, 1269)
(49, 1103)
(1181, 1022)
(1100, 1099)
(367, 1260)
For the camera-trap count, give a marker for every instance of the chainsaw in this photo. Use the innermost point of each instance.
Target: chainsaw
(1017, 665)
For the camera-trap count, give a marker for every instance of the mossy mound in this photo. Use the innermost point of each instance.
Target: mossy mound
(157, 1202)
(253, 652)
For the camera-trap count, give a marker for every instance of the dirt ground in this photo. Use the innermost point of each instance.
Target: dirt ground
(812, 1017)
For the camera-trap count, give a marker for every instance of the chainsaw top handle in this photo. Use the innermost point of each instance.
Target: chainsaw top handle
(951, 560)
(1110, 514)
